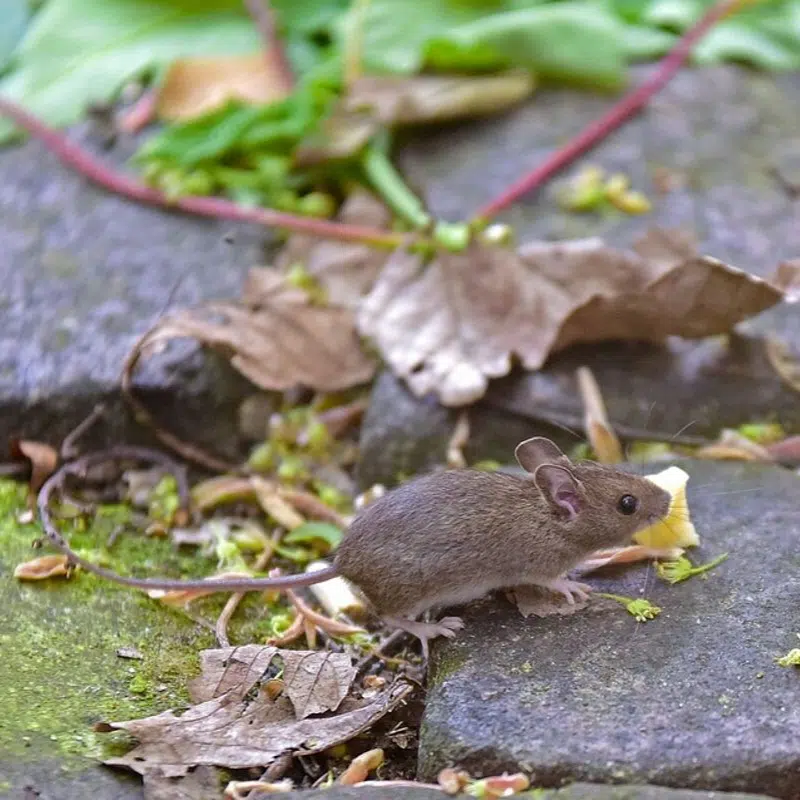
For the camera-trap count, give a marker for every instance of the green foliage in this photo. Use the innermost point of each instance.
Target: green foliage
(315, 533)
(583, 41)
(640, 609)
(682, 569)
(15, 19)
(243, 151)
(79, 51)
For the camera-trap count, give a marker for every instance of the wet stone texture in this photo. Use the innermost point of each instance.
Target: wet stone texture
(84, 273)
(691, 699)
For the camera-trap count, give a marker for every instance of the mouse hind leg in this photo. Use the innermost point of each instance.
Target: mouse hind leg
(425, 631)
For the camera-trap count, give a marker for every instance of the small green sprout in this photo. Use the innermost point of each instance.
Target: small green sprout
(762, 433)
(682, 569)
(642, 610)
(791, 659)
(164, 500)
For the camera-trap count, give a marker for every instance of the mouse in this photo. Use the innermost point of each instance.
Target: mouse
(453, 536)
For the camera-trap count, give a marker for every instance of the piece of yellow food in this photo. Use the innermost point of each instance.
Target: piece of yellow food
(676, 529)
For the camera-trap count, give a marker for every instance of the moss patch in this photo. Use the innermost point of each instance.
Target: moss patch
(60, 670)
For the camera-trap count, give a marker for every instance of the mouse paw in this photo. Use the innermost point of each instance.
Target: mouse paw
(570, 589)
(449, 626)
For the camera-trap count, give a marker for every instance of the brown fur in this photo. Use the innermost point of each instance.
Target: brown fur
(453, 536)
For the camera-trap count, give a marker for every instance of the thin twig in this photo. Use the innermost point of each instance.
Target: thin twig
(68, 448)
(619, 113)
(140, 114)
(264, 18)
(221, 628)
(77, 158)
(187, 451)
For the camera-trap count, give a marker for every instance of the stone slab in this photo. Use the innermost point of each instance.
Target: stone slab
(720, 133)
(690, 699)
(84, 273)
(577, 791)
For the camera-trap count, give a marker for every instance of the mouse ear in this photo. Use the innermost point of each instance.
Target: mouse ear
(560, 488)
(532, 453)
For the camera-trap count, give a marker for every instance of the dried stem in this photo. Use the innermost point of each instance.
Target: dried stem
(77, 158)
(221, 628)
(619, 113)
(186, 450)
(264, 19)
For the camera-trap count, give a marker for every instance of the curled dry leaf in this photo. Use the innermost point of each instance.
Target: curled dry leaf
(42, 568)
(602, 437)
(43, 459)
(538, 602)
(197, 85)
(236, 726)
(359, 768)
(627, 555)
(374, 102)
(452, 324)
(276, 337)
(316, 681)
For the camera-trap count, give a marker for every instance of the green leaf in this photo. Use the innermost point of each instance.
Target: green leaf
(260, 134)
(15, 19)
(575, 42)
(310, 532)
(735, 41)
(78, 51)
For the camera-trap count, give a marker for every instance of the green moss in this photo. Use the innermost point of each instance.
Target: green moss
(59, 638)
(446, 663)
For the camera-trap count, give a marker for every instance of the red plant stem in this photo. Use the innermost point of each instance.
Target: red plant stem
(264, 19)
(619, 113)
(140, 114)
(74, 156)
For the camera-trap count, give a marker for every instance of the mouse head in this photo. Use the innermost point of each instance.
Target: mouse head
(600, 503)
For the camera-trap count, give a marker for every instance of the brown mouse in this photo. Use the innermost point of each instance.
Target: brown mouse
(453, 536)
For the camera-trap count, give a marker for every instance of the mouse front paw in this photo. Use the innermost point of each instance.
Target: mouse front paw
(570, 589)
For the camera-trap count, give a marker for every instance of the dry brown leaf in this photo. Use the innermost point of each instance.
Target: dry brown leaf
(316, 681)
(359, 768)
(733, 446)
(194, 86)
(346, 270)
(235, 726)
(42, 568)
(375, 102)
(451, 325)
(43, 458)
(276, 337)
(599, 429)
(538, 602)
(627, 555)
(426, 99)
(269, 498)
(233, 670)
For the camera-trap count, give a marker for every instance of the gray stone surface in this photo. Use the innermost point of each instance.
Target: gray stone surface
(720, 133)
(578, 791)
(84, 273)
(692, 699)
(49, 780)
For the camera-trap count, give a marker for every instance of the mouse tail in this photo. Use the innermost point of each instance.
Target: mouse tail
(227, 584)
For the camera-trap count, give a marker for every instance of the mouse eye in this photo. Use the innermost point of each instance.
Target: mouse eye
(627, 504)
